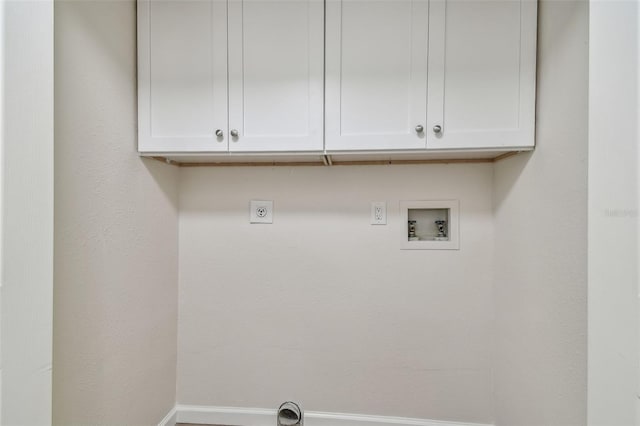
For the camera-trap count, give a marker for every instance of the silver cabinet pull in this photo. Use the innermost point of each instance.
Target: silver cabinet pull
(437, 128)
(234, 133)
(419, 128)
(219, 133)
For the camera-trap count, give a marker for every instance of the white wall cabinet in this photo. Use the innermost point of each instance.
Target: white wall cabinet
(276, 75)
(438, 74)
(401, 76)
(376, 74)
(182, 76)
(230, 76)
(482, 74)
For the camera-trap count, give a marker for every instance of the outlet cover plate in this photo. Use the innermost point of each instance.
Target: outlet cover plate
(261, 211)
(379, 213)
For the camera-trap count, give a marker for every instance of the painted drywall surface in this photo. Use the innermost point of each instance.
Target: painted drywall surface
(27, 213)
(323, 308)
(115, 304)
(613, 213)
(2, 184)
(541, 239)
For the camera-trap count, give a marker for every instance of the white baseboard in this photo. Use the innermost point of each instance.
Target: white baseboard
(170, 419)
(267, 417)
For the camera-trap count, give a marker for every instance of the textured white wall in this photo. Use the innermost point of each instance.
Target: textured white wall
(368, 328)
(541, 239)
(2, 182)
(613, 213)
(116, 242)
(325, 309)
(27, 212)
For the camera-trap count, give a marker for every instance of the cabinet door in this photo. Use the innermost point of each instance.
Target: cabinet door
(182, 75)
(276, 72)
(482, 74)
(376, 77)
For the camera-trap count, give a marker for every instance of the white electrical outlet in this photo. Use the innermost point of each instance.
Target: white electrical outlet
(379, 213)
(261, 211)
